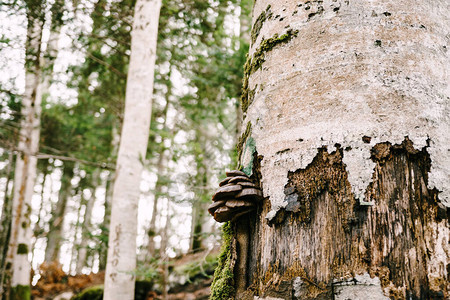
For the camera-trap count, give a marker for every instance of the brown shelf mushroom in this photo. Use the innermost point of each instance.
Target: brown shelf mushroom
(235, 173)
(225, 181)
(226, 191)
(237, 195)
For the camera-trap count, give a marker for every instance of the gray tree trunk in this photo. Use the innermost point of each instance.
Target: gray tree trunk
(347, 111)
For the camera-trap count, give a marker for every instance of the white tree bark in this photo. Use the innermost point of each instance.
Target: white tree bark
(121, 260)
(25, 170)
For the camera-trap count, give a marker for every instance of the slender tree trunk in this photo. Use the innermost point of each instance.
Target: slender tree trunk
(108, 198)
(52, 50)
(160, 170)
(55, 234)
(5, 223)
(348, 137)
(86, 227)
(25, 173)
(77, 229)
(38, 229)
(164, 261)
(158, 190)
(106, 220)
(119, 280)
(201, 197)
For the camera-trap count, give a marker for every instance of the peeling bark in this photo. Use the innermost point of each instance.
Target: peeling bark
(324, 237)
(349, 114)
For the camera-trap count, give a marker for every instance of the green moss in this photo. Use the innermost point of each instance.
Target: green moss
(222, 287)
(250, 146)
(254, 63)
(20, 292)
(22, 249)
(266, 14)
(90, 293)
(242, 140)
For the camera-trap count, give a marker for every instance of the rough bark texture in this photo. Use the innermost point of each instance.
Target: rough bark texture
(348, 103)
(121, 261)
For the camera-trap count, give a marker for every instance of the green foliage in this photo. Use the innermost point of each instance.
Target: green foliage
(222, 287)
(202, 268)
(148, 271)
(20, 292)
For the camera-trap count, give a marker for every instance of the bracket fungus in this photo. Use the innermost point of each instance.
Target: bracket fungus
(237, 195)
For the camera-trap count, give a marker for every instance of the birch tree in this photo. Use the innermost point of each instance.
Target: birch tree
(346, 129)
(121, 260)
(25, 169)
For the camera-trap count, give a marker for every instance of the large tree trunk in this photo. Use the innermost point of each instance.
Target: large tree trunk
(121, 262)
(25, 169)
(348, 113)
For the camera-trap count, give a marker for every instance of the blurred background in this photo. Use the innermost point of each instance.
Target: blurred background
(84, 54)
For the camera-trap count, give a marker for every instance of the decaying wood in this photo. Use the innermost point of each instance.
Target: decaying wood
(402, 239)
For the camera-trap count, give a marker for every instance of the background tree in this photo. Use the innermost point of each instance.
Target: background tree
(25, 172)
(345, 117)
(119, 283)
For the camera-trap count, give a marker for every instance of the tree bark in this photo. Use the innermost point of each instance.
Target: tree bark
(25, 169)
(347, 128)
(121, 262)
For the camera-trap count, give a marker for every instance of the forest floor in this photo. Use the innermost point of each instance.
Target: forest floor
(190, 277)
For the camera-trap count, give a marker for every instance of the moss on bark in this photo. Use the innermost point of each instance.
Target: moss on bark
(254, 63)
(222, 287)
(20, 292)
